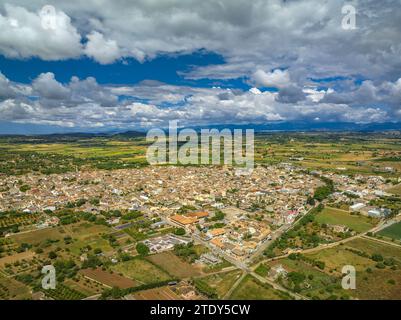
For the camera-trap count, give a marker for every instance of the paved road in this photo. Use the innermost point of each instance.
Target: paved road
(380, 226)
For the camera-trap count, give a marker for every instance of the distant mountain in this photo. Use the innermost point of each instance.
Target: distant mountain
(130, 134)
(307, 126)
(8, 129)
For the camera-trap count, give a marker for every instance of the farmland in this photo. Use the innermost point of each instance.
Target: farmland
(356, 153)
(340, 217)
(141, 271)
(392, 232)
(107, 278)
(395, 190)
(252, 289)
(174, 265)
(222, 282)
(377, 265)
(163, 293)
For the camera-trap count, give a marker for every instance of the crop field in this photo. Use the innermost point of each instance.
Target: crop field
(340, 217)
(140, 270)
(371, 247)
(336, 258)
(379, 284)
(108, 278)
(63, 292)
(163, 293)
(392, 232)
(12, 289)
(21, 220)
(315, 284)
(222, 282)
(84, 285)
(26, 255)
(174, 265)
(395, 190)
(252, 289)
(38, 236)
(86, 234)
(376, 278)
(343, 153)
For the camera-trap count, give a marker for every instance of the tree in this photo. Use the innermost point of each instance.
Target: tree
(179, 231)
(52, 255)
(142, 249)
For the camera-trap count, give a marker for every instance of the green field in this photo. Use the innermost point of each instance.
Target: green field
(340, 217)
(252, 289)
(222, 282)
(372, 281)
(364, 153)
(393, 231)
(141, 270)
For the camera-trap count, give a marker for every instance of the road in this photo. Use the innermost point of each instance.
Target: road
(380, 226)
(277, 234)
(245, 264)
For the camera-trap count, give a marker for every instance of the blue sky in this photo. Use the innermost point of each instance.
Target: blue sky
(100, 66)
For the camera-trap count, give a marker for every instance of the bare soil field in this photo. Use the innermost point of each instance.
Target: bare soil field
(108, 279)
(17, 257)
(163, 293)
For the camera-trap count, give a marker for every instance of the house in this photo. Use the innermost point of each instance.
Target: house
(218, 242)
(198, 215)
(379, 213)
(357, 206)
(216, 232)
(183, 221)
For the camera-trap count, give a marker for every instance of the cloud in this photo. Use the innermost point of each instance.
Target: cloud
(23, 35)
(6, 89)
(277, 78)
(91, 105)
(46, 86)
(102, 50)
(304, 35)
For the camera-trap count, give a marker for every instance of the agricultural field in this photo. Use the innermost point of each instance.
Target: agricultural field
(141, 271)
(335, 216)
(377, 265)
(252, 289)
(392, 232)
(108, 278)
(11, 289)
(63, 292)
(347, 153)
(222, 282)
(84, 285)
(162, 293)
(174, 265)
(87, 234)
(36, 237)
(395, 190)
(310, 281)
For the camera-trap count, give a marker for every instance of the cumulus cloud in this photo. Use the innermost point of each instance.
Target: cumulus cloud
(46, 86)
(85, 103)
(23, 34)
(103, 50)
(277, 78)
(305, 35)
(281, 44)
(6, 89)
